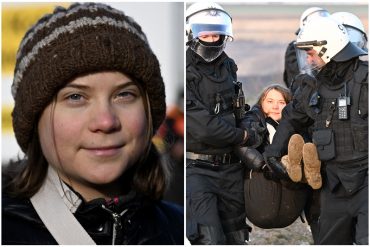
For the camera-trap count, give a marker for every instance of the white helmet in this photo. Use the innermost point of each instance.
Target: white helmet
(354, 26)
(312, 13)
(207, 18)
(328, 38)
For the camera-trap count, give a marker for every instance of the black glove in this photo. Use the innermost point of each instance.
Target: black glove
(269, 174)
(256, 134)
(250, 157)
(277, 167)
(302, 79)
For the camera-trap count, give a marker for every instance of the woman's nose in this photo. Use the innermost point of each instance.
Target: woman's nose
(104, 119)
(275, 105)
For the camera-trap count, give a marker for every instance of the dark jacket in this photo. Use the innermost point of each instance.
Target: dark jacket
(158, 223)
(269, 201)
(256, 122)
(211, 126)
(146, 222)
(310, 108)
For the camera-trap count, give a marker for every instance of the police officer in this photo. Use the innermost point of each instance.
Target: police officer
(355, 28)
(214, 175)
(333, 99)
(291, 69)
(290, 62)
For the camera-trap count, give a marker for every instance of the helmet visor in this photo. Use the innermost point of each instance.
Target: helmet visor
(210, 22)
(308, 61)
(209, 29)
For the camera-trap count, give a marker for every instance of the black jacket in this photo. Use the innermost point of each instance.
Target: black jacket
(146, 222)
(211, 126)
(309, 108)
(302, 111)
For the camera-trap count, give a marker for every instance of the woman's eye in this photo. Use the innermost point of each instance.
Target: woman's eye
(74, 97)
(126, 96)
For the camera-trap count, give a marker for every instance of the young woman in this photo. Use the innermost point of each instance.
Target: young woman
(88, 98)
(267, 113)
(270, 201)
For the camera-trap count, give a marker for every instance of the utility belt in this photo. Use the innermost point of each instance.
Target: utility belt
(214, 159)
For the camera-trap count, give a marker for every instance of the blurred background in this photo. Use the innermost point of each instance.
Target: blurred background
(160, 21)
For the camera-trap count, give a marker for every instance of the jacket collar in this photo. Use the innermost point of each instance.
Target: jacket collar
(70, 198)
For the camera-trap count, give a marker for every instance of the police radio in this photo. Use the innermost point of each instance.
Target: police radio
(240, 107)
(343, 103)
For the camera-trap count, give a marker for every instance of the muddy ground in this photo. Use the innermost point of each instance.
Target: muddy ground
(297, 233)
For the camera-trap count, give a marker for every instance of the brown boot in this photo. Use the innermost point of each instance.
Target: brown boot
(285, 161)
(312, 166)
(295, 147)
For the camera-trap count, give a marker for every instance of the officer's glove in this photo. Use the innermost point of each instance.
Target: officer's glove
(258, 128)
(255, 134)
(250, 157)
(301, 80)
(277, 167)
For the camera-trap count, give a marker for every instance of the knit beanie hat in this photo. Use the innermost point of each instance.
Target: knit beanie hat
(84, 38)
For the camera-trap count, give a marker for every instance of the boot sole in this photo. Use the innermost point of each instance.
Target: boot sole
(295, 147)
(312, 166)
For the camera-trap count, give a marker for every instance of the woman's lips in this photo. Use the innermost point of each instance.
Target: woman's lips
(104, 151)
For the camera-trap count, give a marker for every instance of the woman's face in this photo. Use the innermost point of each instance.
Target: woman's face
(273, 104)
(99, 126)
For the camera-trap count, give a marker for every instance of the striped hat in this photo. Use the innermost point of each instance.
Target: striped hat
(84, 38)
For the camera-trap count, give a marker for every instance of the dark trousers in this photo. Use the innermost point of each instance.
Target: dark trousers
(344, 217)
(312, 213)
(215, 212)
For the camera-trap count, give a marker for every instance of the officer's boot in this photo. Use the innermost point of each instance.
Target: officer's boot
(312, 166)
(239, 237)
(293, 161)
(209, 235)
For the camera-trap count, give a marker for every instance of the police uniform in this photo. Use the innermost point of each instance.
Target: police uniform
(291, 70)
(214, 176)
(342, 146)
